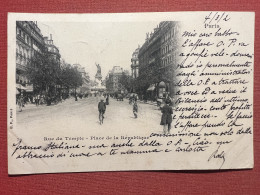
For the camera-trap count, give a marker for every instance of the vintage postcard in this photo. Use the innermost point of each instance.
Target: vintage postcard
(130, 91)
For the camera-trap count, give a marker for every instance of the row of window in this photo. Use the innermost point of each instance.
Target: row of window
(21, 79)
(170, 33)
(22, 51)
(26, 37)
(166, 49)
(21, 59)
(167, 60)
(135, 62)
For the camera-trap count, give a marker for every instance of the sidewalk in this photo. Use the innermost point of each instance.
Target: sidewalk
(32, 106)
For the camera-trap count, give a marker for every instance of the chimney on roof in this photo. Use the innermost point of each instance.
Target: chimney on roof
(51, 37)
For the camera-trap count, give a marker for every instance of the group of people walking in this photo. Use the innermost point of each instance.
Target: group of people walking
(166, 118)
(166, 110)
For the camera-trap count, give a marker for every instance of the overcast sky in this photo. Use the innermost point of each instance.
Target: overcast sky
(108, 44)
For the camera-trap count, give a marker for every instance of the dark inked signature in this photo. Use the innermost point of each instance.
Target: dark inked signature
(218, 155)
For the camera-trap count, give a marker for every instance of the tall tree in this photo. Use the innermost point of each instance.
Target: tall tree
(43, 71)
(71, 78)
(126, 81)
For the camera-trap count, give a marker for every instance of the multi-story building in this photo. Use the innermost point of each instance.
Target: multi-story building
(135, 63)
(85, 77)
(113, 79)
(157, 59)
(52, 49)
(29, 41)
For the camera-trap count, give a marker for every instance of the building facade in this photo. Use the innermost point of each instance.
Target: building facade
(52, 49)
(113, 84)
(29, 41)
(135, 64)
(85, 88)
(157, 59)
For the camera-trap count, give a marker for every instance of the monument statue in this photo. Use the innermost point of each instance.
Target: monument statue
(98, 69)
(98, 76)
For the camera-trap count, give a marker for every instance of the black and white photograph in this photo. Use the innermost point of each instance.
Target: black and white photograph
(96, 74)
(137, 91)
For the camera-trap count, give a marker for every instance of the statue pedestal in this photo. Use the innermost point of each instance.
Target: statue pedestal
(98, 82)
(98, 88)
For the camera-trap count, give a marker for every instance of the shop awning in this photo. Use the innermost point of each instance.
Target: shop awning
(29, 88)
(151, 87)
(19, 86)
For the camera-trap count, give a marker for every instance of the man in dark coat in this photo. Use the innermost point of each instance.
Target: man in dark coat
(166, 119)
(101, 108)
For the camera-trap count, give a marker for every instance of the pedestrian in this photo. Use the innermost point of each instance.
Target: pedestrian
(107, 100)
(42, 99)
(21, 103)
(76, 96)
(101, 108)
(37, 99)
(135, 97)
(130, 100)
(166, 119)
(135, 108)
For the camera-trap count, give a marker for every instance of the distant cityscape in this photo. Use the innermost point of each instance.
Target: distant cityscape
(152, 64)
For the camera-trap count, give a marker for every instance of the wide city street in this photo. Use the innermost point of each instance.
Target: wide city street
(71, 118)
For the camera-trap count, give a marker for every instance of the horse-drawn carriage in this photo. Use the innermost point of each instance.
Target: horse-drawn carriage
(119, 97)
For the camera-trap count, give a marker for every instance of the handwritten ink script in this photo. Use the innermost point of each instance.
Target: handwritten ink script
(214, 80)
(212, 103)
